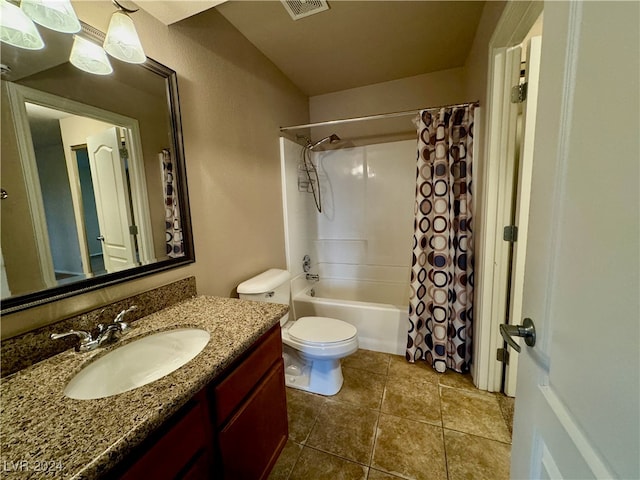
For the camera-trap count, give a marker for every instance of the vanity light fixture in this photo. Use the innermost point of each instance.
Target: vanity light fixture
(122, 40)
(89, 57)
(57, 15)
(17, 29)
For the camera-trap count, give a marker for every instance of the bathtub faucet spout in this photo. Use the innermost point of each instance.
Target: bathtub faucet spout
(313, 277)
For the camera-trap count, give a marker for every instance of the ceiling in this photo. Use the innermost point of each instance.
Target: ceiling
(354, 43)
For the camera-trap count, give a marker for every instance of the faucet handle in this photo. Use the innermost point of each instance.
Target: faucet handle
(81, 334)
(121, 315)
(85, 344)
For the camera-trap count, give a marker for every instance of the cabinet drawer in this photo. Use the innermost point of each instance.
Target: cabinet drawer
(230, 392)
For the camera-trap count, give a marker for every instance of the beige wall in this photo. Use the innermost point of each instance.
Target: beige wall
(476, 71)
(18, 245)
(233, 99)
(411, 93)
(477, 66)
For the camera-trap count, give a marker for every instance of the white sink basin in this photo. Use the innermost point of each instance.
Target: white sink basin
(137, 363)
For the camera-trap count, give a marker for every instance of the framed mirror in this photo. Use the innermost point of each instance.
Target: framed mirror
(93, 174)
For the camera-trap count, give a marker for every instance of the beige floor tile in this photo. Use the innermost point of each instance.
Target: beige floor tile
(375, 362)
(378, 475)
(472, 413)
(315, 465)
(286, 461)
(361, 388)
(507, 405)
(399, 367)
(409, 449)
(471, 457)
(331, 437)
(409, 398)
(457, 380)
(302, 409)
(345, 430)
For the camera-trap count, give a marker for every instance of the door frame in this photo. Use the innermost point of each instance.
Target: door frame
(18, 95)
(492, 253)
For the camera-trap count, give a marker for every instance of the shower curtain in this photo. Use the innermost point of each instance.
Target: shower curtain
(441, 303)
(173, 224)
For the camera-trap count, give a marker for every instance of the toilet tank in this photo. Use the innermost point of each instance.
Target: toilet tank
(272, 286)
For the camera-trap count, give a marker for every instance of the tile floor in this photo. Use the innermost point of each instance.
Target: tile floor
(393, 419)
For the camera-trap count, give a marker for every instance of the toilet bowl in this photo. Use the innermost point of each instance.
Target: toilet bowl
(312, 346)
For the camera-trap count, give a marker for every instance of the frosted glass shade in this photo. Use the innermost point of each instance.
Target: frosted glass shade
(17, 29)
(122, 40)
(89, 57)
(57, 15)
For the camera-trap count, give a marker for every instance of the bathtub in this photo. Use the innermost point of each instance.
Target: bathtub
(379, 310)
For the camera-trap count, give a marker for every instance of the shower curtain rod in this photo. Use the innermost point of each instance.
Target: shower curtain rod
(374, 117)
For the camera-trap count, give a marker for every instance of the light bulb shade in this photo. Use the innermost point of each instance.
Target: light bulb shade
(17, 29)
(122, 40)
(89, 57)
(57, 15)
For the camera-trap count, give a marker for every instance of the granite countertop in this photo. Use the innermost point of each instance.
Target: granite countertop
(45, 434)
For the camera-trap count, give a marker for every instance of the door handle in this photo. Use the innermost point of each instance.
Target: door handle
(100, 237)
(527, 331)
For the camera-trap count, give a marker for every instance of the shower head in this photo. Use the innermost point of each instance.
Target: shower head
(333, 138)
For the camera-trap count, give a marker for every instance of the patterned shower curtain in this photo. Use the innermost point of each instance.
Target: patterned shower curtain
(441, 303)
(173, 224)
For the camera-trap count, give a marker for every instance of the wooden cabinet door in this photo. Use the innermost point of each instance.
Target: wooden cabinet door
(254, 437)
(185, 446)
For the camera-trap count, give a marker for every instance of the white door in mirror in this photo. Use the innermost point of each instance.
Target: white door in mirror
(137, 363)
(108, 175)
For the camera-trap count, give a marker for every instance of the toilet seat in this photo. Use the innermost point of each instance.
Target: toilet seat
(321, 331)
(312, 337)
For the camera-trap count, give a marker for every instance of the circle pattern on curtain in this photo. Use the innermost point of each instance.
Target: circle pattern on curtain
(441, 303)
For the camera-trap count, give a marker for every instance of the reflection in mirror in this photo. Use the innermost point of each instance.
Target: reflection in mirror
(94, 174)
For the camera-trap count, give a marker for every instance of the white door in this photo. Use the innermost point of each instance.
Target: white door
(523, 193)
(112, 200)
(577, 412)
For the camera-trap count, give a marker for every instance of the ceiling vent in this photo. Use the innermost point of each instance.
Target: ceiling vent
(303, 8)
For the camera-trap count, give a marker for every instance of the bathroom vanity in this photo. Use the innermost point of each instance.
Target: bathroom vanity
(222, 415)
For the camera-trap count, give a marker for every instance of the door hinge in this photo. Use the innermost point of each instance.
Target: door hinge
(133, 230)
(510, 233)
(503, 356)
(519, 93)
(124, 153)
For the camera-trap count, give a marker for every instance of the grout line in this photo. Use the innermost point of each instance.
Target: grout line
(375, 432)
(444, 444)
(296, 461)
(478, 436)
(350, 460)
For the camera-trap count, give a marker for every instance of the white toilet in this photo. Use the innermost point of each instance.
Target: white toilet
(313, 346)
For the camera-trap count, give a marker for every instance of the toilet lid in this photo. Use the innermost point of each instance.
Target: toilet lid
(321, 330)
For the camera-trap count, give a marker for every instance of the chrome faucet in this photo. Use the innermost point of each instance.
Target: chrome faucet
(313, 277)
(86, 343)
(112, 332)
(106, 333)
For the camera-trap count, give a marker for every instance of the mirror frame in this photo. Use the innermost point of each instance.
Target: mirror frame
(22, 302)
